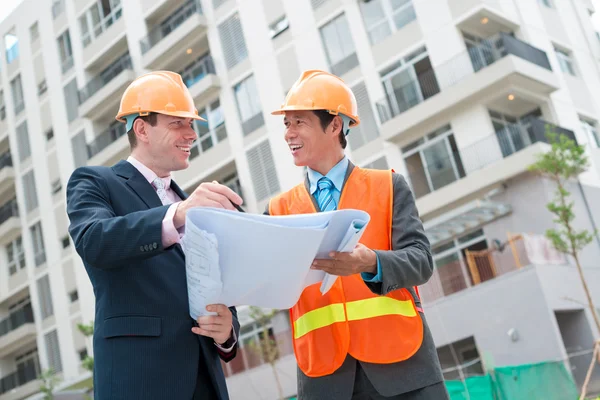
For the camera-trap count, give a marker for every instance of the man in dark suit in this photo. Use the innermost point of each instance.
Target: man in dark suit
(367, 338)
(127, 222)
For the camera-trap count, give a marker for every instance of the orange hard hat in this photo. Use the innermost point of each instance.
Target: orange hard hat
(161, 92)
(320, 90)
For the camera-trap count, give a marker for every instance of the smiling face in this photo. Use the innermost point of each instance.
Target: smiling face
(164, 147)
(310, 144)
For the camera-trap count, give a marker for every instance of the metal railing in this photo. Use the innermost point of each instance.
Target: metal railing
(16, 319)
(5, 160)
(106, 138)
(29, 371)
(102, 26)
(198, 70)
(9, 210)
(432, 81)
(97, 83)
(507, 141)
(172, 22)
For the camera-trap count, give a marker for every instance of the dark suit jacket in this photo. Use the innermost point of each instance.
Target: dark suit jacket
(143, 344)
(408, 264)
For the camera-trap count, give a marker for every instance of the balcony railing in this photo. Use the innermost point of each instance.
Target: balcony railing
(104, 78)
(9, 210)
(195, 72)
(105, 139)
(5, 160)
(507, 141)
(16, 319)
(172, 22)
(451, 72)
(27, 372)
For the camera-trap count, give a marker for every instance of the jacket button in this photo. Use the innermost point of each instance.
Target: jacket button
(146, 247)
(154, 245)
(141, 248)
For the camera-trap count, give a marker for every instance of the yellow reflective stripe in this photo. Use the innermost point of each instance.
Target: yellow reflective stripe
(319, 318)
(378, 306)
(359, 309)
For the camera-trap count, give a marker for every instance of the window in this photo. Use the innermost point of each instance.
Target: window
(339, 46)
(278, 27)
(58, 6)
(11, 44)
(72, 100)
(28, 366)
(15, 255)
(17, 93)
(367, 130)
(80, 151)
(45, 297)
(233, 182)
(2, 107)
(233, 42)
(250, 336)
(433, 162)
(65, 51)
(53, 351)
(82, 354)
(198, 69)
(591, 130)
(99, 18)
(547, 3)
(380, 163)
(39, 252)
(56, 186)
(262, 171)
(451, 264)
(34, 33)
(211, 132)
(73, 296)
(513, 133)
(49, 134)
(408, 82)
(565, 60)
(382, 17)
(31, 201)
(23, 141)
(65, 242)
(248, 102)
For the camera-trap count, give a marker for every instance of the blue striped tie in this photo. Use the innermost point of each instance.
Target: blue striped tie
(325, 194)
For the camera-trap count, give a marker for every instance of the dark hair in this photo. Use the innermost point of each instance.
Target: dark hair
(325, 118)
(151, 118)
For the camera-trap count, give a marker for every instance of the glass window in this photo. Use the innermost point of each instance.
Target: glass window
(382, 17)
(339, 46)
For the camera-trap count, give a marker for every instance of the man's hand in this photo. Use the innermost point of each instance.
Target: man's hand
(361, 259)
(217, 326)
(211, 194)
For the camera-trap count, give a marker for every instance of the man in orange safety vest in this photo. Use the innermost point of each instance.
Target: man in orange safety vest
(367, 337)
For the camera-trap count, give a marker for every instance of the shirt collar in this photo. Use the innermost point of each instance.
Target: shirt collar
(336, 174)
(147, 172)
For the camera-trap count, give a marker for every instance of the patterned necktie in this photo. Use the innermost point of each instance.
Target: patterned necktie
(325, 195)
(159, 184)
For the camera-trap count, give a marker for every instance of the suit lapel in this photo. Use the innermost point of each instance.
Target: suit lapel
(136, 181)
(182, 195)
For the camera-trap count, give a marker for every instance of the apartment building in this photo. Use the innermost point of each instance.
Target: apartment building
(453, 94)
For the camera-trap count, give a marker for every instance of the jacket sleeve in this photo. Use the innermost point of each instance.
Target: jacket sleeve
(409, 263)
(230, 355)
(103, 239)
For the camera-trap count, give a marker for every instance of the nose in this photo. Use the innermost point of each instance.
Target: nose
(190, 133)
(290, 133)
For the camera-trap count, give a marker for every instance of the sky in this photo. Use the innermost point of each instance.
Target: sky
(9, 5)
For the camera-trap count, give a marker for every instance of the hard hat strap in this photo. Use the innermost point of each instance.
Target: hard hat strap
(130, 119)
(346, 120)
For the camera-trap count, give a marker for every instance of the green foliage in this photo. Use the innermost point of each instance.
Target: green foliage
(266, 347)
(49, 382)
(87, 330)
(565, 160)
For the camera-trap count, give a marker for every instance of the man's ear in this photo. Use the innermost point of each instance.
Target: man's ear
(336, 125)
(139, 128)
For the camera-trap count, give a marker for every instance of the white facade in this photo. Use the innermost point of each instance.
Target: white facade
(482, 75)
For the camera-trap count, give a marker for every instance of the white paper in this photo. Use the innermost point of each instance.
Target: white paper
(261, 260)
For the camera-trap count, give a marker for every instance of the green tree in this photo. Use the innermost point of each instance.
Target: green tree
(87, 330)
(266, 347)
(49, 382)
(563, 163)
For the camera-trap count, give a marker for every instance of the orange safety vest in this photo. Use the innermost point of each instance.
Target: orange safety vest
(350, 318)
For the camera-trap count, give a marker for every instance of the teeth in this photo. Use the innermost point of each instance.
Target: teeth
(186, 149)
(295, 147)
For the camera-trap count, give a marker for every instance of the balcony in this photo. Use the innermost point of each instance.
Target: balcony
(10, 224)
(7, 173)
(165, 41)
(201, 79)
(102, 95)
(103, 40)
(21, 383)
(487, 74)
(109, 146)
(487, 164)
(17, 330)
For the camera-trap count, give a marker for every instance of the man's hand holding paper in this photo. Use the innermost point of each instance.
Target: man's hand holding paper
(361, 259)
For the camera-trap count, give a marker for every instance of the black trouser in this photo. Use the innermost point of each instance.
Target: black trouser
(364, 390)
